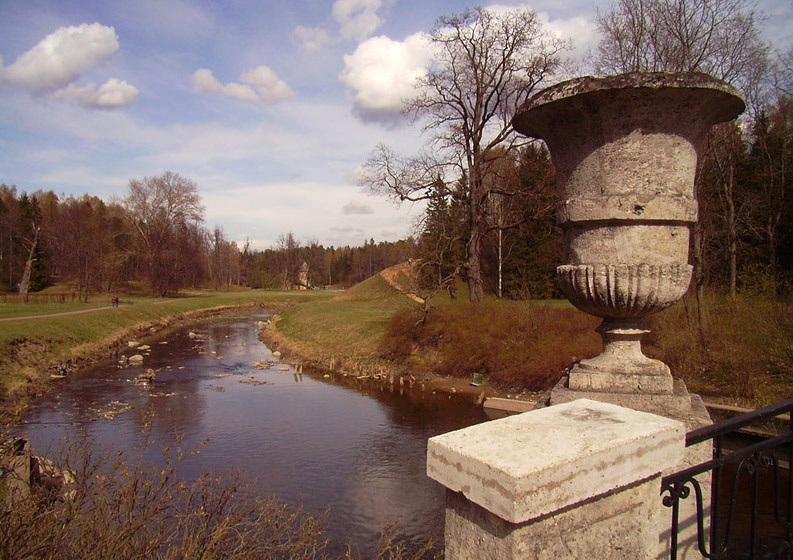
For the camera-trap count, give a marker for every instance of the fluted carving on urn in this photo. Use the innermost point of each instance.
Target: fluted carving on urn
(624, 291)
(625, 152)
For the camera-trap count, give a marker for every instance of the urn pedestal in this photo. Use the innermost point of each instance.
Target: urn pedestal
(625, 150)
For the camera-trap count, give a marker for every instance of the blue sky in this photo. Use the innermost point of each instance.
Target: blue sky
(269, 106)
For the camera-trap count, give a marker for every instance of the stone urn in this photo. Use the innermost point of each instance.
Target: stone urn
(625, 150)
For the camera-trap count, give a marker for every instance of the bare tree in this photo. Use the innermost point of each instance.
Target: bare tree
(160, 209)
(287, 246)
(486, 63)
(783, 74)
(719, 37)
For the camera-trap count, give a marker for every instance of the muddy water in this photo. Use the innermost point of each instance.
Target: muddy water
(359, 450)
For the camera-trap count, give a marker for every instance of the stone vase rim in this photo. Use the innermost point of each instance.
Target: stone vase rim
(657, 81)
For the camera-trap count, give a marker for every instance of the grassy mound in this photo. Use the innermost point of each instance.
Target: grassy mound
(348, 327)
(736, 350)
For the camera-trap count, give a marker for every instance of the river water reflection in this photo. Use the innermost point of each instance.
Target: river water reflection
(361, 451)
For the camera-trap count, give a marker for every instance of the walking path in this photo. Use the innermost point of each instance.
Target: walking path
(56, 314)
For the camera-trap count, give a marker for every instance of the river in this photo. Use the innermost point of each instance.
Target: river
(359, 450)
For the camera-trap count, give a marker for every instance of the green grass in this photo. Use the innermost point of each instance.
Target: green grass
(741, 353)
(350, 326)
(522, 345)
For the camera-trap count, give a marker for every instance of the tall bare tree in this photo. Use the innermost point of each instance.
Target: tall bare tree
(719, 37)
(485, 64)
(161, 209)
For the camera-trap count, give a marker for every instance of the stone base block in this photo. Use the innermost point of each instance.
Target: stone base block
(680, 404)
(578, 480)
(685, 407)
(578, 532)
(657, 380)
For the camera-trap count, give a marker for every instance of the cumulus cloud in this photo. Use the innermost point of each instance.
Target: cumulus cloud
(113, 94)
(382, 72)
(358, 19)
(357, 208)
(258, 84)
(58, 60)
(61, 57)
(310, 39)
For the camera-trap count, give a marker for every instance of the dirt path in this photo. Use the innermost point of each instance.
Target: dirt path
(390, 275)
(56, 314)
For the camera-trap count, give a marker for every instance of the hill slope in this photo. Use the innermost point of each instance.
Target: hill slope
(347, 328)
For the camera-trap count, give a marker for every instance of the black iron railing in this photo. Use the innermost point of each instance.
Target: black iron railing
(759, 473)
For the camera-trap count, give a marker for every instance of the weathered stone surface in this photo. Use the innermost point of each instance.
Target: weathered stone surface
(533, 464)
(677, 405)
(620, 526)
(625, 152)
(680, 405)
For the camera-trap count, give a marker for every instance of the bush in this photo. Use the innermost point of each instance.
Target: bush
(738, 348)
(518, 345)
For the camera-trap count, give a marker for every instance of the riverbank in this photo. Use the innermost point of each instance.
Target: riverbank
(31, 348)
(375, 373)
(343, 337)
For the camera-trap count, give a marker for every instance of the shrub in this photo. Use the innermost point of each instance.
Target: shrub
(739, 348)
(519, 345)
(120, 509)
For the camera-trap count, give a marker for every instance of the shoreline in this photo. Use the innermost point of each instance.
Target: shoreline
(382, 375)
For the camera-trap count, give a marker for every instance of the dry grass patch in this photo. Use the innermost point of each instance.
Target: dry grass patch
(742, 350)
(517, 345)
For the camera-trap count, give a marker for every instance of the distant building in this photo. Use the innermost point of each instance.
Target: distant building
(302, 277)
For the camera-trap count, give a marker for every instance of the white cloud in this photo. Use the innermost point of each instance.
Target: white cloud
(58, 60)
(112, 94)
(61, 57)
(357, 208)
(382, 73)
(582, 33)
(310, 39)
(358, 19)
(258, 84)
(267, 84)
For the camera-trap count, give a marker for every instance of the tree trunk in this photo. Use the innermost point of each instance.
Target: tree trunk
(699, 276)
(24, 284)
(732, 229)
(476, 292)
(500, 263)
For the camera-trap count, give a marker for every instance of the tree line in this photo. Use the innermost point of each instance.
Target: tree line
(155, 239)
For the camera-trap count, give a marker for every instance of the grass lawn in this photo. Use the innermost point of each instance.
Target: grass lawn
(8, 310)
(524, 345)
